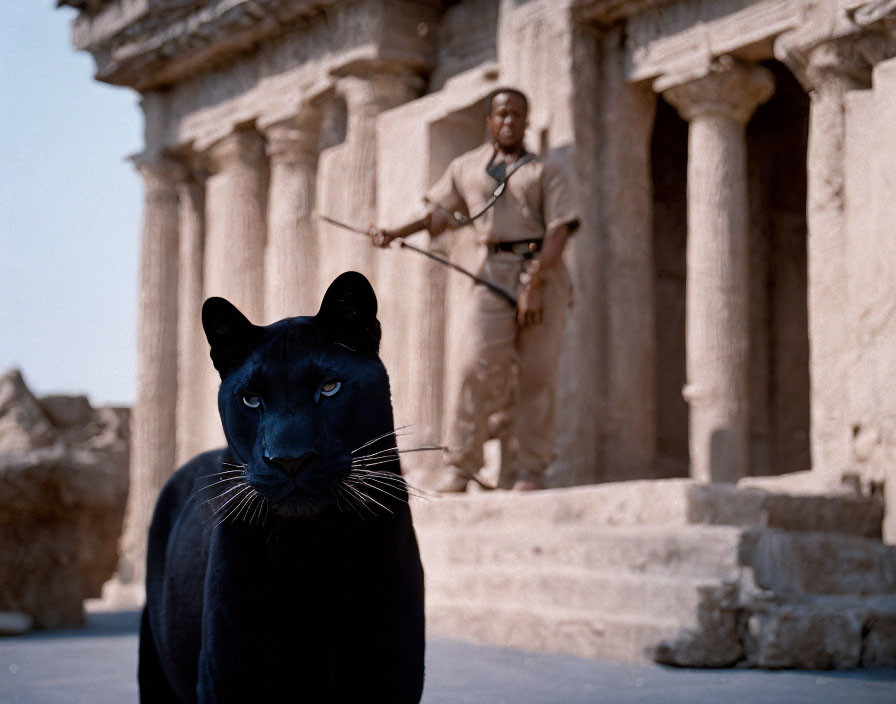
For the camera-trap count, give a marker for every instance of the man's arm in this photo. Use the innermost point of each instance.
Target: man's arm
(433, 220)
(529, 306)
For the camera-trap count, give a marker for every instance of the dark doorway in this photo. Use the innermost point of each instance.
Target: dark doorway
(777, 141)
(669, 157)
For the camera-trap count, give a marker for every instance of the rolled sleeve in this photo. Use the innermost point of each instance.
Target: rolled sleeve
(444, 193)
(558, 207)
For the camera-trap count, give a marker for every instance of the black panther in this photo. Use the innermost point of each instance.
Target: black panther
(285, 568)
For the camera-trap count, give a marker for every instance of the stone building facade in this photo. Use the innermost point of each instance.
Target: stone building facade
(733, 315)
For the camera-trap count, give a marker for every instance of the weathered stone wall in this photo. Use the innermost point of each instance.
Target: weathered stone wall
(870, 413)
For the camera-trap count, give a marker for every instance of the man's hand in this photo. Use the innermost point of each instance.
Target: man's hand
(529, 309)
(380, 236)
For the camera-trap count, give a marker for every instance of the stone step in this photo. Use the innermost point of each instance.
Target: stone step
(817, 633)
(673, 599)
(656, 502)
(795, 564)
(789, 563)
(698, 551)
(547, 629)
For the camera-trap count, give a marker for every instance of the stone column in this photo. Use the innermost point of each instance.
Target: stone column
(718, 107)
(153, 418)
(235, 234)
(348, 171)
(830, 71)
(192, 348)
(235, 222)
(291, 256)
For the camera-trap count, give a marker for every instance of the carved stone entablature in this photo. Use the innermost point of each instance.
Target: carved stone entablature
(151, 44)
(607, 12)
(839, 38)
(681, 36)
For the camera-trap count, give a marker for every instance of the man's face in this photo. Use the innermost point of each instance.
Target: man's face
(507, 120)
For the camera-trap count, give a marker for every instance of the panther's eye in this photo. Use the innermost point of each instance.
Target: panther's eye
(251, 401)
(330, 388)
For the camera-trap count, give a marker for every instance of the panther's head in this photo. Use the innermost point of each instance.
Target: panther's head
(303, 402)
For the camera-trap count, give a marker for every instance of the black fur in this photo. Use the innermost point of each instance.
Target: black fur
(274, 582)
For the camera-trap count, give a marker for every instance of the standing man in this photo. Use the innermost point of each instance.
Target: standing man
(522, 228)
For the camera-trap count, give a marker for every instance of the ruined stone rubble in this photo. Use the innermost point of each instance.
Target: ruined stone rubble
(63, 486)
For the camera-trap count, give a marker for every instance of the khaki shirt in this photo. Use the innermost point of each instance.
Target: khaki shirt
(535, 199)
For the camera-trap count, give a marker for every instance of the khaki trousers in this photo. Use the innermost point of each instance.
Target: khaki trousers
(494, 345)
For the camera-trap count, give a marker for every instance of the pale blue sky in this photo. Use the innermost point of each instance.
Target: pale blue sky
(70, 208)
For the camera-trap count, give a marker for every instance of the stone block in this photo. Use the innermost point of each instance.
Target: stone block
(814, 637)
(714, 642)
(728, 504)
(795, 564)
(15, 623)
(879, 645)
(62, 495)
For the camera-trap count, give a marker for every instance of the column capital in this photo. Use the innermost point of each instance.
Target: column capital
(290, 142)
(161, 173)
(729, 88)
(839, 63)
(374, 93)
(240, 146)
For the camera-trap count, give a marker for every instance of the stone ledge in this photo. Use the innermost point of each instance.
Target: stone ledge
(590, 635)
(670, 598)
(701, 551)
(657, 502)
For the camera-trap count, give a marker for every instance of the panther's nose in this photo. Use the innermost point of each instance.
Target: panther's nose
(293, 465)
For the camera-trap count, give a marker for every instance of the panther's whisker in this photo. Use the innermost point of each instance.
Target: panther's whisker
(257, 508)
(390, 477)
(242, 496)
(388, 450)
(362, 498)
(391, 480)
(252, 507)
(246, 506)
(374, 463)
(384, 435)
(223, 493)
(398, 451)
(395, 480)
(242, 490)
(236, 509)
(368, 496)
(209, 486)
(262, 511)
(365, 498)
(230, 464)
(382, 489)
(348, 501)
(235, 475)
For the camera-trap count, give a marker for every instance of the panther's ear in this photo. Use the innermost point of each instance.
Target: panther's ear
(348, 313)
(229, 333)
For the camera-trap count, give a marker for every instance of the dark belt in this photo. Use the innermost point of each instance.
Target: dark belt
(525, 248)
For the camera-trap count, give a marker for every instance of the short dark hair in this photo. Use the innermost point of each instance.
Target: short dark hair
(506, 90)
